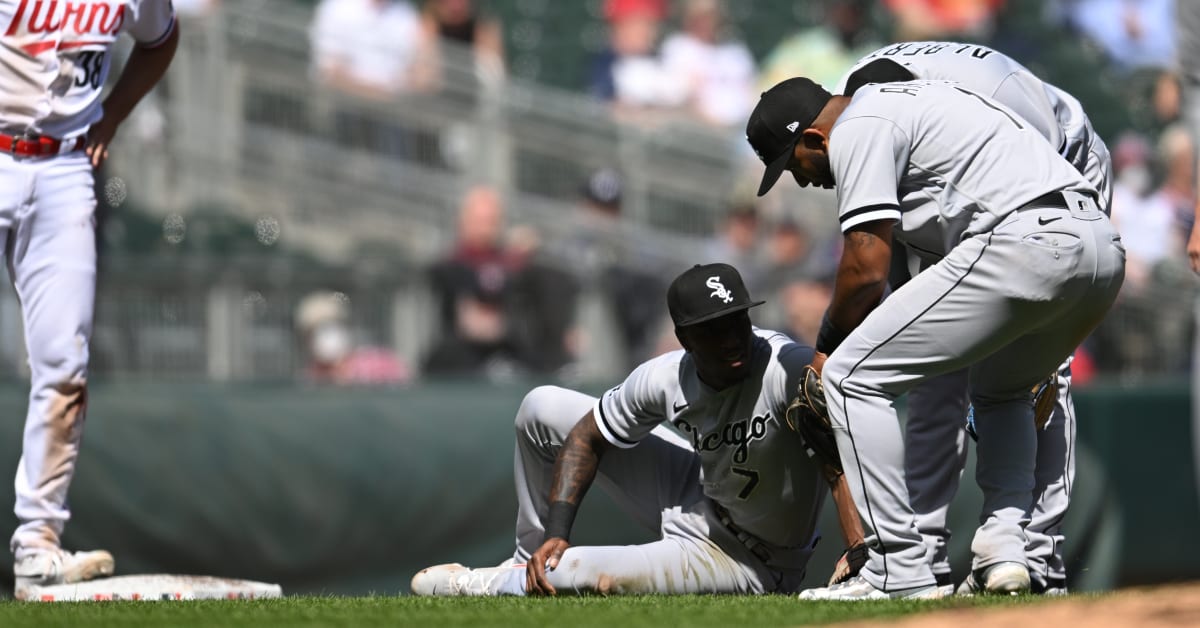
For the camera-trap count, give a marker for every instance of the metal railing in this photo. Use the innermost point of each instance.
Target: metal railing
(251, 133)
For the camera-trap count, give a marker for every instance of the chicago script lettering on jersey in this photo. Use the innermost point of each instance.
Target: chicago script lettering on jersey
(737, 434)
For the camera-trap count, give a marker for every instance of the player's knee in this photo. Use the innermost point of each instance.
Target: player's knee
(61, 365)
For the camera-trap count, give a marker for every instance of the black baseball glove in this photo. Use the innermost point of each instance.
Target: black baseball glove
(808, 415)
(849, 564)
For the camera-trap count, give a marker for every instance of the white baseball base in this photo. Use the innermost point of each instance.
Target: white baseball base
(156, 587)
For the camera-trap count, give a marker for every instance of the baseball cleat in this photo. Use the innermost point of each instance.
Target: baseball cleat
(454, 579)
(436, 580)
(945, 585)
(52, 567)
(969, 587)
(1054, 587)
(1008, 578)
(857, 588)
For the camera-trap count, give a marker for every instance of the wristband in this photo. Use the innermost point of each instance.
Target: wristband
(829, 337)
(560, 519)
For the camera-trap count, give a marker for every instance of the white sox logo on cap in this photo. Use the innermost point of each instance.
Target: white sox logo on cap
(719, 289)
(705, 292)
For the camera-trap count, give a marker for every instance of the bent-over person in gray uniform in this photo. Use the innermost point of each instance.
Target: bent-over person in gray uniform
(1029, 265)
(935, 442)
(731, 488)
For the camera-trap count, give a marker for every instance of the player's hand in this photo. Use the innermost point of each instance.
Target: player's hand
(546, 557)
(1193, 248)
(99, 137)
(818, 361)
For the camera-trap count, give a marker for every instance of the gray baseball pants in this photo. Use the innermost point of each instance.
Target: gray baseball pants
(1008, 305)
(658, 483)
(935, 452)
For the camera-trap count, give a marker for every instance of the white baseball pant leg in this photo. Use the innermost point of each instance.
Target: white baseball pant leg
(1010, 304)
(47, 220)
(657, 482)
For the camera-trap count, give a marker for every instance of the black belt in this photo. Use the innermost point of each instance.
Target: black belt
(751, 542)
(1053, 199)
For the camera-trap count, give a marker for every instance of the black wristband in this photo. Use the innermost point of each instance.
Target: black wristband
(829, 337)
(560, 519)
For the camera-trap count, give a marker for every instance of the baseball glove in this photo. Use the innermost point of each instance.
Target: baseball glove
(850, 563)
(1045, 395)
(808, 415)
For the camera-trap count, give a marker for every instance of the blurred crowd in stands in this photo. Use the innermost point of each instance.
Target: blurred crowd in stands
(509, 303)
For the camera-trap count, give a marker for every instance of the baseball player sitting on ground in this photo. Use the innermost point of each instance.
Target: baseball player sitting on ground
(935, 444)
(53, 132)
(1029, 266)
(736, 497)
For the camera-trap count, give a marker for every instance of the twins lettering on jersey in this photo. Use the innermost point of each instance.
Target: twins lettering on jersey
(738, 434)
(63, 24)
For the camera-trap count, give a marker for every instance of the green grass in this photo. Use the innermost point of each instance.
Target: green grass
(566, 612)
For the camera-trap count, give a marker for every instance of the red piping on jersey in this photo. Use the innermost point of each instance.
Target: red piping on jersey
(80, 44)
(39, 47)
(43, 46)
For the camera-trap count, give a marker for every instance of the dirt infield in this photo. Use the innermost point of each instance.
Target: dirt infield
(1171, 606)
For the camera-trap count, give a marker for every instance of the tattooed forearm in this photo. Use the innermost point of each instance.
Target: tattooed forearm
(861, 239)
(862, 274)
(577, 461)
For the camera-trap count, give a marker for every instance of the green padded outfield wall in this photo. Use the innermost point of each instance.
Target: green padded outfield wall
(351, 491)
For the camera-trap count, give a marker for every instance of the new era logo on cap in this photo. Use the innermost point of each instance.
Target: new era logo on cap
(778, 122)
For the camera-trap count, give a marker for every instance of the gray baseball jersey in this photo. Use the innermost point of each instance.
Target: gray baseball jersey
(750, 459)
(940, 184)
(935, 446)
(1057, 115)
(1028, 267)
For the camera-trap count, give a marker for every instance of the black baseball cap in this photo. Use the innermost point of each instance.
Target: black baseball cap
(779, 119)
(707, 291)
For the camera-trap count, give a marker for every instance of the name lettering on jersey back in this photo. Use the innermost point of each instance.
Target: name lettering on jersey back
(97, 21)
(910, 91)
(909, 49)
(737, 434)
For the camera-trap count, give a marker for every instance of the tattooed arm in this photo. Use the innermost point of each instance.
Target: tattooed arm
(574, 469)
(862, 277)
(862, 273)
